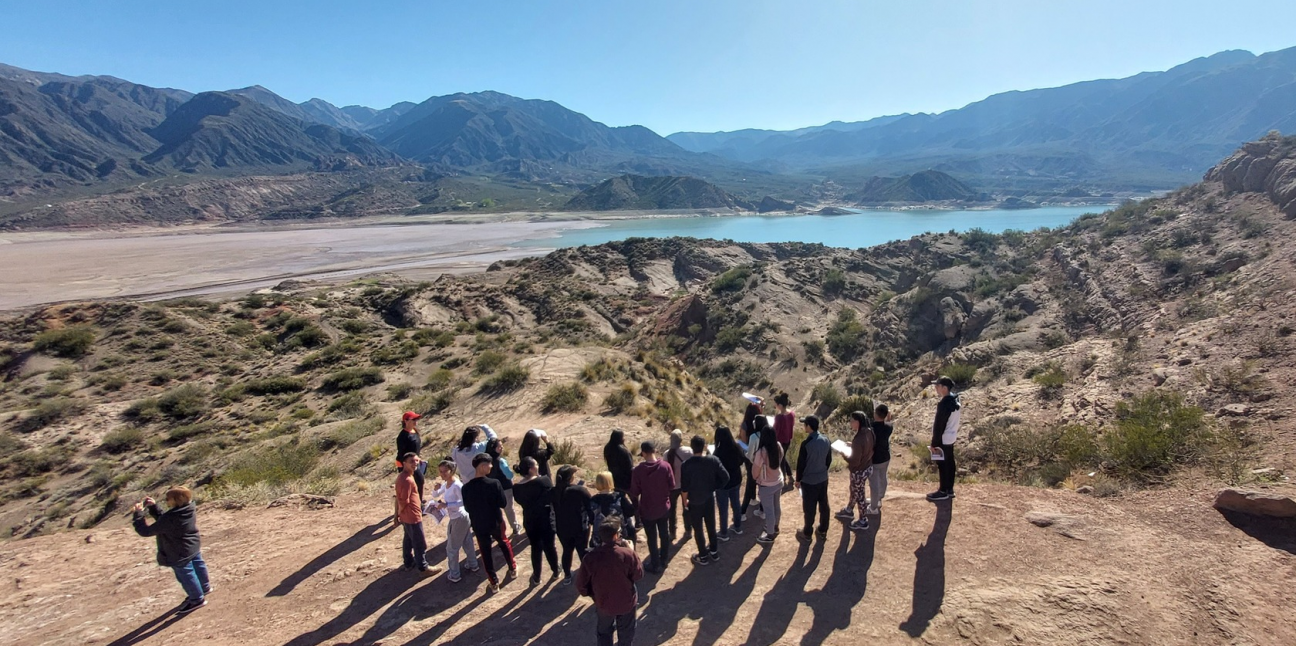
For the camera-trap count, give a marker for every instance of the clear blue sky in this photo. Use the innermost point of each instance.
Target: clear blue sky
(670, 65)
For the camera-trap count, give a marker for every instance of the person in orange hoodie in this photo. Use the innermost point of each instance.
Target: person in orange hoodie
(409, 515)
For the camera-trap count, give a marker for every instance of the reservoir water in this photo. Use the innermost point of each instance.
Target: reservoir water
(860, 229)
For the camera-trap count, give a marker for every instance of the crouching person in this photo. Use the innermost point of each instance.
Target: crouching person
(608, 574)
(178, 544)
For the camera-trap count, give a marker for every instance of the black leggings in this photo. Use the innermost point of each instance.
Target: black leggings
(542, 543)
(787, 468)
(579, 544)
(749, 493)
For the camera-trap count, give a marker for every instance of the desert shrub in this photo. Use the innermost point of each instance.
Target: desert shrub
(186, 431)
(330, 355)
(814, 350)
(846, 336)
(596, 371)
(980, 240)
(143, 410)
(567, 398)
(488, 362)
(10, 445)
(275, 385)
(1238, 378)
(432, 402)
(50, 411)
(961, 373)
(440, 379)
(307, 336)
(276, 466)
(72, 342)
(240, 328)
(396, 352)
(730, 338)
(1154, 433)
(184, 402)
(854, 403)
(732, 280)
(826, 394)
(397, 392)
(352, 404)
(349, 379)
(1050, 378)
(622, 399)
(349, 433)
(507, 379)
(734, 374)
(834, 282)
(353, 326)
(122, 440)
(568, 452)
(434, 337)
(163, 377)
(33, 462)
(62, 372)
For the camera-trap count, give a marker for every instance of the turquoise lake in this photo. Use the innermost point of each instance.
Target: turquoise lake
(862, 229)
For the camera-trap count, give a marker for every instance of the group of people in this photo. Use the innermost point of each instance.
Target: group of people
(477, 490)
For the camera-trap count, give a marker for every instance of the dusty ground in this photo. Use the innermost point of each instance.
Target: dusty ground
(1153, 568)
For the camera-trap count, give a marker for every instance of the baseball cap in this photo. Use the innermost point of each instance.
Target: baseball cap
(409, 415)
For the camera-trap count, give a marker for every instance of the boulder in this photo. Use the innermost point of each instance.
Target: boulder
(1068, 526)
(308, 501)
(1256, 503)
(1159, 376)
(1234, 410)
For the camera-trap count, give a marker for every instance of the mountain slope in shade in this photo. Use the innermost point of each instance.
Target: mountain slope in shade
(372, 119)
(221, 130)
(750, 144)
(321, 111)
(639, 192)
(926, 186)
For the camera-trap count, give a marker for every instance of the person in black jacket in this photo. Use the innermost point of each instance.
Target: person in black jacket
(702, 475)
(178, 544)
(534, 494)
(733, 459)
(944, 433)
(571, 503)
(535, 445)
(621, 465)
(483, 499)
(882, 430)
(409, 441)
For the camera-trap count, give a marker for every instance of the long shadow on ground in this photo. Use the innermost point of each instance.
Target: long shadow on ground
(699, 594)
(149, 629)
(780, 603)
(1278, 533)
(929, 574)
(356, 541)
(845, 587)
(378, 593)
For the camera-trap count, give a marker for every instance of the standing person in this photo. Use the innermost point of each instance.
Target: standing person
(608, 574)
(675, 457)
(484, 499)
(502, 473)
(179, 546)
(409, 441)
(469, 446)
(609, 502)
(784, 429)
(882, 430)
(860, 464)
(619, 461)
(731, 456)
(944, 434)
(750, 435)
(458, 528)
(571, 503)
(702, 476)
(409, 515)
(535, 493)
(535, 445)
(650, 492)
(769, 482)
(813, 461)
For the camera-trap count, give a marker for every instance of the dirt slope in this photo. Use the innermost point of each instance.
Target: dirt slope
(1153, 568)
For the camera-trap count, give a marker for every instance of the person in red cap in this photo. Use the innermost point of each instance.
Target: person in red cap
(409, 441)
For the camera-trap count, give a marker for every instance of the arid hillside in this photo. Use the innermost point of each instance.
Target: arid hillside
(1137, 355)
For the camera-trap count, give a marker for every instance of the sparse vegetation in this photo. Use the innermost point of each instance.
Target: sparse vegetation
(846, 337)
(565, 398)
(127, 438)
(349, 433)
(349, 379)
(1154, 433)
(834, 282)
(71, 342)
(507, 379)
(961, 373)
(731, 280)
(622, 399)
(49, 412)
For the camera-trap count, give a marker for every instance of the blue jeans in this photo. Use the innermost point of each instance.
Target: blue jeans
(726, 499)
(193, 577)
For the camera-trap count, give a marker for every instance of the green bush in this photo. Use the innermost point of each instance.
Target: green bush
(961, 373)
(622, 399)
(1051, 378)
(434, 337)
(488, 362)
(353, 326)
(440, 379)
(349, 433)
(567, 398)
(596, 371)
(834, 282)
(980, 240)
(333, 354)
(352, 379)
(240, 328)
(827, 394)
(279, 465)
(143, 410)
(567, 452)
(1154, 433)
(275, 385)
(730, 338)
(50, 411)
(854, 403)
(185, 402)
(846, 337)
(184, 432)
(397, 392)
(396, 353)
(71, 342)
(122, 440)
(432, 402)
(34, 462)
(814, 350)
(352, 404)
(732, 280)
(507, 379)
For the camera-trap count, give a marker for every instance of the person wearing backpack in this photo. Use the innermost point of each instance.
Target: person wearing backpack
(675, 457)
(703, 475)
(609, 503)
(571, 511)
(608, 575)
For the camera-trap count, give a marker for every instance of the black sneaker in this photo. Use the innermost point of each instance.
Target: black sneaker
(765, 538)
(190, 605)
(701, 559)
(723, 536)
(207, 590)
(802, 535)
(535, 579)
(823, 536)
(939, 495)
(736, 530)
(715, 556)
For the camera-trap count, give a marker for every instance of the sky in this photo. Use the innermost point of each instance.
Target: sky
(671, 65)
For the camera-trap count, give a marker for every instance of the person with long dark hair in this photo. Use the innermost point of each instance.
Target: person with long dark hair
(409, 441)
(571, 511)
(750, 436)
(534, 493)
(619, 461)
(535, 445)
(860, 464)
(470, 444)
(769, 481)
(784, 429)
(502, 473)
(731, 456)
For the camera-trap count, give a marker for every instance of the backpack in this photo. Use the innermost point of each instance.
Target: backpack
(599, 512)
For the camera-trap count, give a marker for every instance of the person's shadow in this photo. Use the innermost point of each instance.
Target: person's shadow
(929, 574)
(153, 627)
(780, 603)
(847, 582)
(356, 541)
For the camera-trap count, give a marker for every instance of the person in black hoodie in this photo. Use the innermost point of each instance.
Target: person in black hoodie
(621, 465)
(534, 494)
(409, 441)
(178, 545)
(535, 445)
(571, 502)
(944, 433)
(733, 459)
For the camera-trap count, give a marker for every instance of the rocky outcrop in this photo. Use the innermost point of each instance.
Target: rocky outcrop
(1256, 503)
(682, 315)
(1098, 307)
(1266, 166)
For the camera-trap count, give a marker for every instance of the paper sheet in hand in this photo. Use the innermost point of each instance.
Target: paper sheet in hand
(841, 447)
(751, 398)
(711, 449)
(431, 509)
(937, 453)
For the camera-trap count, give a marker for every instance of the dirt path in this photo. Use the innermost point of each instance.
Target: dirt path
(1152, 568)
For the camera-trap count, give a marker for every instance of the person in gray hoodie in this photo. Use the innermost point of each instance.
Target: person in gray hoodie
(812, 465)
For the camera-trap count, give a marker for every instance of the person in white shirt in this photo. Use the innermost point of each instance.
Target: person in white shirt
(469, 446)
(448, 497)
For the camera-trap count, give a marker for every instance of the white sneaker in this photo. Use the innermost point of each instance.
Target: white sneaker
(759, 513)
(873, 511)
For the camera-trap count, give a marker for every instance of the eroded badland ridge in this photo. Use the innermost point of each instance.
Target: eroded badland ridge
(1115, 374)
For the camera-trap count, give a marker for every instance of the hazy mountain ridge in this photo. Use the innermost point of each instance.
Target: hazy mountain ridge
(640, 192)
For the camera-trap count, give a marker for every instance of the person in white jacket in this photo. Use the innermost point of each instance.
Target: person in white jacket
(448, 497)
(469, 446)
